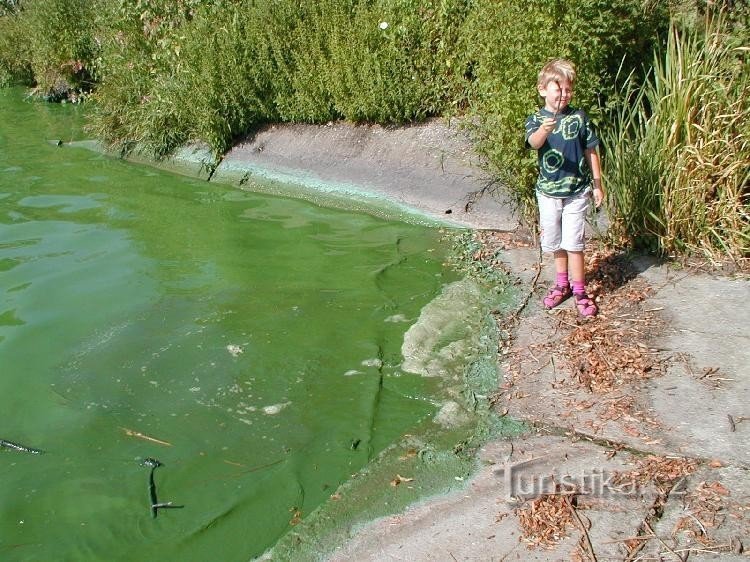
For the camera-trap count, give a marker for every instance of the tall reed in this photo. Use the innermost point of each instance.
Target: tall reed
(678, 148)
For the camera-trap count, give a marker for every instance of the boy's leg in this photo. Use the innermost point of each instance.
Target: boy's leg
(561, 268)
(576, 268)
(573, 240)
(550, 222)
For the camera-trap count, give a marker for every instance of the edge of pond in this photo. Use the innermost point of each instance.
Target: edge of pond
(427, 172)
(433, 461)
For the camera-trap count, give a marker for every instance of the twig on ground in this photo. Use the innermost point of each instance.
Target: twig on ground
(698, 521)
(584, 530)
(665, 545)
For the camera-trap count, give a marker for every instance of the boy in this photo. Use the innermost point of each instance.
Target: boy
(569, 172)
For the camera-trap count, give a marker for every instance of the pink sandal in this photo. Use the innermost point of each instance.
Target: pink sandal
(555, 296)
(586, 307)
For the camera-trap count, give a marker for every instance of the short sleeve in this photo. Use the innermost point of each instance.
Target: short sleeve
(532, 126)
(590, 140)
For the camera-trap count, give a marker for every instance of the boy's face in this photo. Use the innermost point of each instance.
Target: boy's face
(556, 94)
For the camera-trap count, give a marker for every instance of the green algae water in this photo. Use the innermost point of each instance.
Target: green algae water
(253, 344)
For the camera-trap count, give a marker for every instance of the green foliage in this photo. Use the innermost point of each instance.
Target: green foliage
(15, 55)
(509, 42)
(136, 101)
(212, 71)
(678, 161)
(390, 61)
(225, 85)
(61, 43)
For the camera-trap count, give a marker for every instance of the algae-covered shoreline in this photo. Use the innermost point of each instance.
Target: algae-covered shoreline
(389, 176)
(440, 455)
(429, 170)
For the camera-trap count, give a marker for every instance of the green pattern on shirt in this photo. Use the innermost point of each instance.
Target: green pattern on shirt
(563, 169)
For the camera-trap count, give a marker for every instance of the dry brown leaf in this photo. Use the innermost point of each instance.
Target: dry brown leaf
(399, 479)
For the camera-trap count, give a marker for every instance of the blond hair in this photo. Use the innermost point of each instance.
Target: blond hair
(556, 69)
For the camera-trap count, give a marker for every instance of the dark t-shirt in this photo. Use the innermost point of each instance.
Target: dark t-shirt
(563, 170)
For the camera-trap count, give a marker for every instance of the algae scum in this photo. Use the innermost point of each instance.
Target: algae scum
(261, 350)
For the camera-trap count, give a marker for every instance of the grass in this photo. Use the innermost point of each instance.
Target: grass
(678, 149)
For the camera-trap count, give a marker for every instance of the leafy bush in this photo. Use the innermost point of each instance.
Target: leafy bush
(216, 69)
(140, 50)
(509, 42)
(62, 44)
(390, 61)
(15, 55)
(225, 79)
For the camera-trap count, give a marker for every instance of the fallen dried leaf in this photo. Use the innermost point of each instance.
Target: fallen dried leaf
(296, 516)
(399, 479)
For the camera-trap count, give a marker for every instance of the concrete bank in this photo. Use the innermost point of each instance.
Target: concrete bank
(427, 169)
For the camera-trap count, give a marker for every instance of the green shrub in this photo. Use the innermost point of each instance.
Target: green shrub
(217, 69)
(140, 52)
(509, 42)
(390, 59)
(61, 37)
(15, 55)
(297, 36)
(225, 78)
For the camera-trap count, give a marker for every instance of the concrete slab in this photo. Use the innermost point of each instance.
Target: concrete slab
(695, 413)
(706, 316)
(708, 335)
(480, 523)
(430, 167)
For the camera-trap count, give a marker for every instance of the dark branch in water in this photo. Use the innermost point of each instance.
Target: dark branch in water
(17, 447)
(153, 500)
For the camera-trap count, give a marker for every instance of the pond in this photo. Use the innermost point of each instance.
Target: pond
(252, 344)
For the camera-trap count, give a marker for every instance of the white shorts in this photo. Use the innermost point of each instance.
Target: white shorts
(563, 221)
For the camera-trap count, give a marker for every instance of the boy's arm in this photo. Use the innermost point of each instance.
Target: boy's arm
(592, 157)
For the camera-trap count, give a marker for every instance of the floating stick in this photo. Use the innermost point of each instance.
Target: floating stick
(133, 433)
(153, 500)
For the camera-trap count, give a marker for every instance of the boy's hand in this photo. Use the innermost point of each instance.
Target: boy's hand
(598, 195)
(549, 124)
